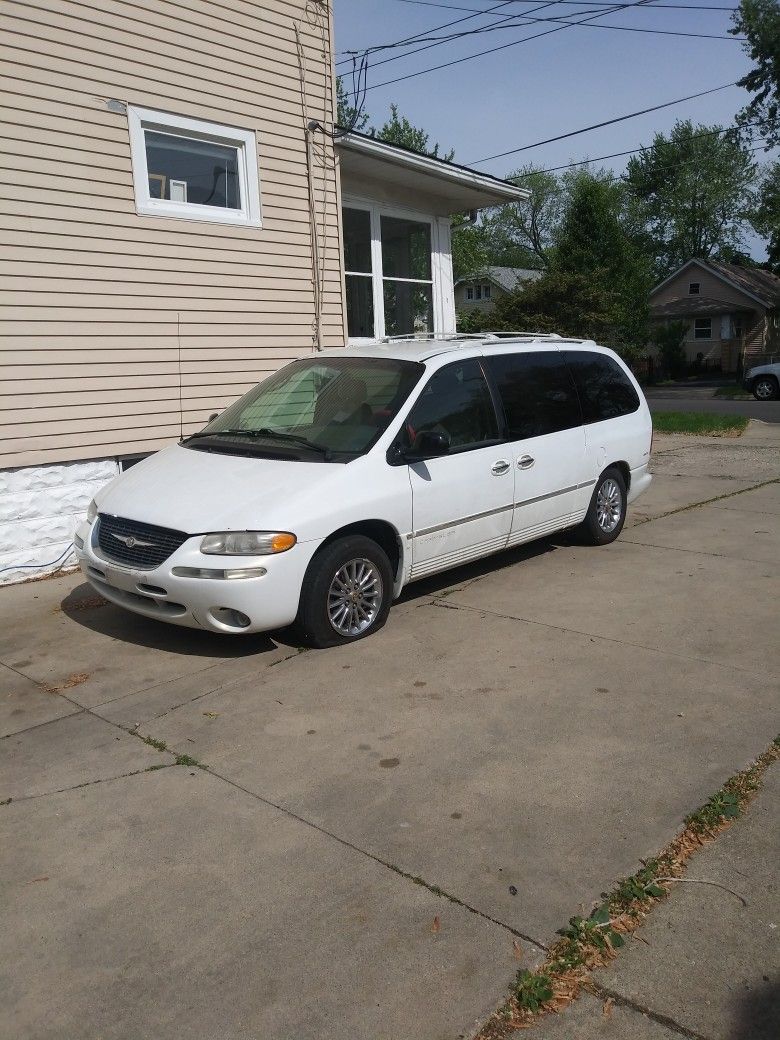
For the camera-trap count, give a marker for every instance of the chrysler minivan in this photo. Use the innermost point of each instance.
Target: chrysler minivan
(317, 496)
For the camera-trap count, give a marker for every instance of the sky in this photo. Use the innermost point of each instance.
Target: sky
(535, 90)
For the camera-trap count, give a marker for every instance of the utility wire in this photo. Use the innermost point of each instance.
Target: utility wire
(502, 47)
(420, 36)
(635, 151)
(598, 126)
(575, 3)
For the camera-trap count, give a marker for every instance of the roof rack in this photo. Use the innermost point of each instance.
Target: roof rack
(445, 337)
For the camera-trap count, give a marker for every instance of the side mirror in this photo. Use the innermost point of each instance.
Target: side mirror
(213, 416)
(429, 444)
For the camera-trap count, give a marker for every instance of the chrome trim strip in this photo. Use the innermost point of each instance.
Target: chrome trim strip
(500, 509)
(457, 523)
(554, 494)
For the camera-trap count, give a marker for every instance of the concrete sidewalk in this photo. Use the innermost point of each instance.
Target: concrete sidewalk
(376, 826)
(708, 962)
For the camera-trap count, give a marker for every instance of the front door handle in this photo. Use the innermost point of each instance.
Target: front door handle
(502, 466)
(525, 462)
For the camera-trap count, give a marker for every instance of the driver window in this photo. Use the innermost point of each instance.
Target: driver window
(457, 402)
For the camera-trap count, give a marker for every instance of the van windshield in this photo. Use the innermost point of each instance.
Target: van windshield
(322, 408)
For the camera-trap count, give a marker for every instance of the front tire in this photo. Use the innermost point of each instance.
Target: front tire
(607, 510)
(346, 593)
(765, 388)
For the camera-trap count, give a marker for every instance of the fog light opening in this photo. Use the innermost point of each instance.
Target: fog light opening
(230, 618)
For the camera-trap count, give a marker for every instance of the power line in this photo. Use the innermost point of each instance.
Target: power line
(524, 19)
(635, 151)
(575, 3)
(418, 37)
(514, 43)
(598, 126)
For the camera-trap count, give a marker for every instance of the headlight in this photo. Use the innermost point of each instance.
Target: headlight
(92, 511)
(247, 543)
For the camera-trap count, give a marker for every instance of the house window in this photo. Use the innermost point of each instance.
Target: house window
(470, 293)
(485, 292)
(193, 170)
(694, 288)
(702, 328)
(478, 292)
(388, 273)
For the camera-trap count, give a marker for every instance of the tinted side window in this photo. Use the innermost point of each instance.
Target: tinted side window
(537, 393)
(605, 390)
(457, 402)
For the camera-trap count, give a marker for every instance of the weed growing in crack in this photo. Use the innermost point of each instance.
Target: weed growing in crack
(159, 744)
(533, 989)
(589, 942)
(185, 760)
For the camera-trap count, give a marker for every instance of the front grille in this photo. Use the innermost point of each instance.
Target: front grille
(138, 545)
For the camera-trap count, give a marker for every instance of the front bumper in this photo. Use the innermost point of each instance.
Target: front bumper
(229, 606)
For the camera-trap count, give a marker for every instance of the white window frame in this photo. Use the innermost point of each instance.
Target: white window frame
(695, 330)
(142, 119)
(486, 293)
(469, 292)
(441, 265)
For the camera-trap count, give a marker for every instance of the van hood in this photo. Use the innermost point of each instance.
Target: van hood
(199, 491)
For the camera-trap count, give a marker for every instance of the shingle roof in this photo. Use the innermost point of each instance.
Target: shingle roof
(506, 277)
(755, 280)
(691, 306)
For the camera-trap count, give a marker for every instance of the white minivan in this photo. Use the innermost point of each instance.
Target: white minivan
(322, 492)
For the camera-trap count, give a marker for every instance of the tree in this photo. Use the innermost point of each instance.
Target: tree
(596, 282)
(669, 339)
(690, 194)
(400, 131)
(595, 239)
(759, 22)
(526, 229)
(346, 113)
(766, 216)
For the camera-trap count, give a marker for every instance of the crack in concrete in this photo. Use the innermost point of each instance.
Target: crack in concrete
(87, 783)
(594, 636)
(40, 725)
(706, 501)
(604, 993)
(696, 552)
(346, 843)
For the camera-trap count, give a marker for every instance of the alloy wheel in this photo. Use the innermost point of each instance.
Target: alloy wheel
(354, 597)
(765, 389)
(609, 505)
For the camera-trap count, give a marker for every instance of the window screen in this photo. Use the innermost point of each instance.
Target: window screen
(537, 393)
(604, 389)
(457, 402)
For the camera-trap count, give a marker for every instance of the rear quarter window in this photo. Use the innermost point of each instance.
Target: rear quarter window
(604, 389)
(537, 393)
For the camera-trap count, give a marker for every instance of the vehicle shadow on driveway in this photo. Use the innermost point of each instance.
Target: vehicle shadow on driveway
(88, 609)
(469, 572)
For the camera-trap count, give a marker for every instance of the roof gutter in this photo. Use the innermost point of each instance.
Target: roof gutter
(426, 164)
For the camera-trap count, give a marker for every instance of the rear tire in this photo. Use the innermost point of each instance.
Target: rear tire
(607, 510)
(346, 593)
(765, 388)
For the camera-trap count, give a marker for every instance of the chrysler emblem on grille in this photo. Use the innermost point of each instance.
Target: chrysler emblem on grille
(132, 542)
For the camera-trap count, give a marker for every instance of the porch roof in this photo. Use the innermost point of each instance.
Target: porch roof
(694, 307)
(454, 188)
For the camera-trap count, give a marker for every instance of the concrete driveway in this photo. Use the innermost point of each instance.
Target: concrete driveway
(355, 842)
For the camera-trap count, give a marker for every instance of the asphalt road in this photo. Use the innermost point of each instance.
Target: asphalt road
(768, 411)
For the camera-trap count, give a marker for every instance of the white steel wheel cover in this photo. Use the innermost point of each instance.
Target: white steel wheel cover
(609, 505)
(354, 597)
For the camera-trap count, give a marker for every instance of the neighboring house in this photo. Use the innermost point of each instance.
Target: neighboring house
(172, 233)
(480, 292)
(731, 312)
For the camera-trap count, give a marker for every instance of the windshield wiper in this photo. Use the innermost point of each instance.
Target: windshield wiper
(270, 435)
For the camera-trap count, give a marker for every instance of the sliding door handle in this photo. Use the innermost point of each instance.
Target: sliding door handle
(525, 462)
(502, 466)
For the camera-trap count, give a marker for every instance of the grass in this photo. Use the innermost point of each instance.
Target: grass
(733, 393)
(590, 942)
(700, 423)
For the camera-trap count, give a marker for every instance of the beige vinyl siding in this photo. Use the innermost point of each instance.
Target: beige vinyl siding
(119, 329)
(710, 286)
